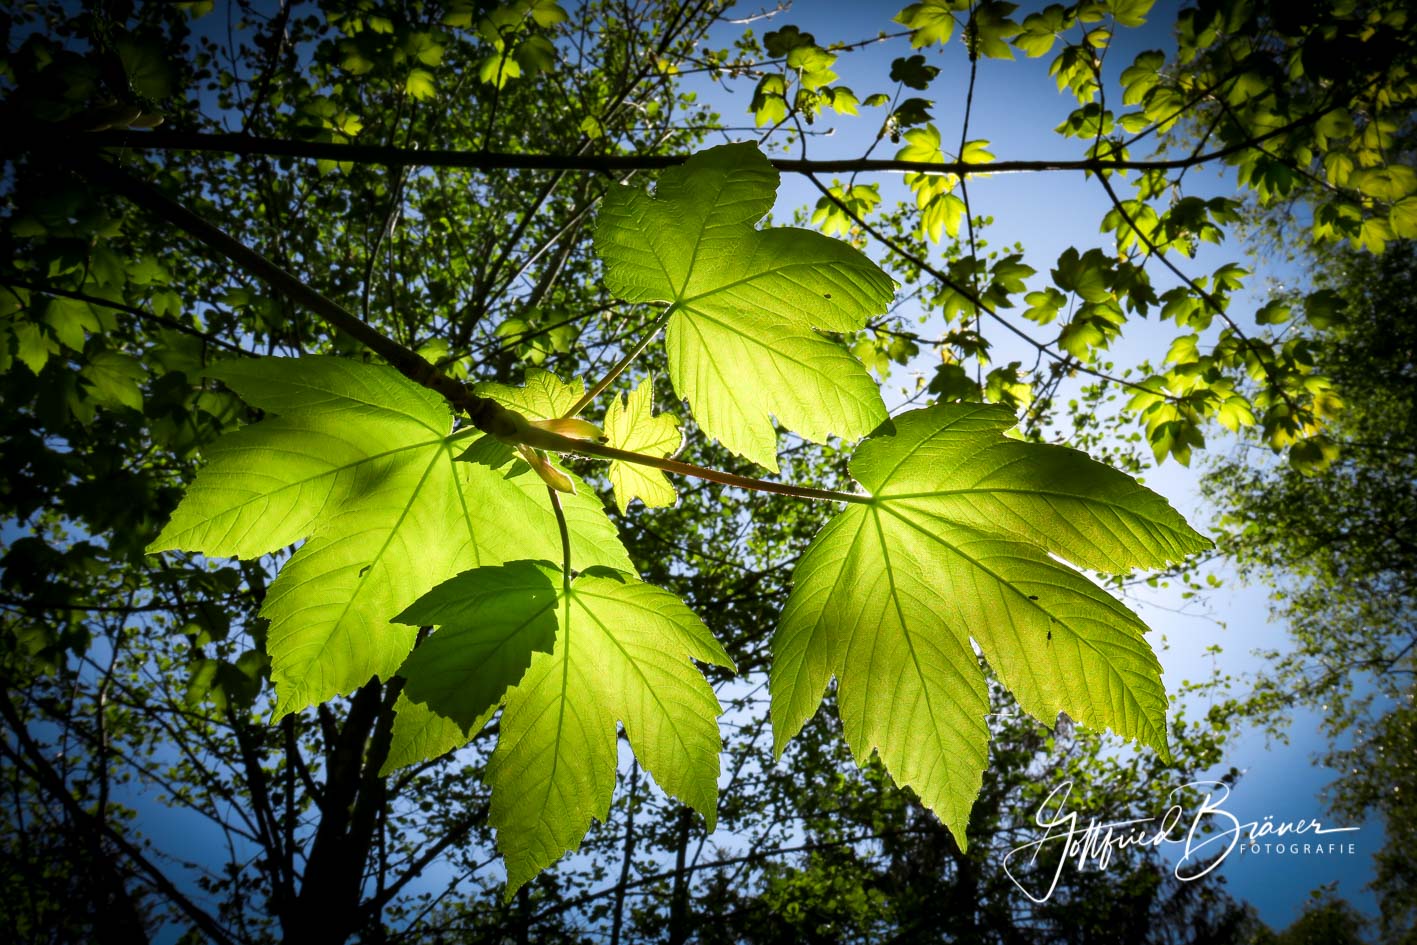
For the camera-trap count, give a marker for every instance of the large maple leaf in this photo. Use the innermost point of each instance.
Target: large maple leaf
(621, 652)
(954, 547)
(360, 463)
(741, 340)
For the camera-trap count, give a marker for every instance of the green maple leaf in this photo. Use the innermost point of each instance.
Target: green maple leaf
(929, 22)
(631, 425)
(622, 653)
(420, 734)
(955, 545)
(544, 396)
(745, 302)
(360, 463)
(491, 626)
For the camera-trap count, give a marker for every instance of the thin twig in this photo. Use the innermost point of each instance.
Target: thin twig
(619, 367)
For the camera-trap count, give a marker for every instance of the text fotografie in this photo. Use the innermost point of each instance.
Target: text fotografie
(1209, 829)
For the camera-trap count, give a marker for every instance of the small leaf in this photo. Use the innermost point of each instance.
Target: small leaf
(71, 320)
(145, 63)
(630, 425)
(546, 13)
(844, 101)
(780, 43)
(116, 378)
(498, 69)
(913, 71)
(1403, 218)
(33, 347)
(931, 21)
(420, 84)
(544, 396)
(769, 104)
(912, 111)
(536, 54)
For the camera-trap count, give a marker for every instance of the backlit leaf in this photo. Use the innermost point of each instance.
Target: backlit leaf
(359, 462)
(954, 548)
(622, 654)
(543, 396)
(631, 425)
(742, 341)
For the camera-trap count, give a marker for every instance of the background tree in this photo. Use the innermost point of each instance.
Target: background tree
(1336, 547)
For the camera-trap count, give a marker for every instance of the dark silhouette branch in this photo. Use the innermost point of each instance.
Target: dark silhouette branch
(238, 144)
(31, 758)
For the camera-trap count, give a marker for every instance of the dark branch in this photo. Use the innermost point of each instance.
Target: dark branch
(599, 163)
(486, 414)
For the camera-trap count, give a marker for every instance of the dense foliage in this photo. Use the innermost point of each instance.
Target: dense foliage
(1337, 549)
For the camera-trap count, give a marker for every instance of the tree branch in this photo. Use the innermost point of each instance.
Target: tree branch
(600, 163)
(486, 414)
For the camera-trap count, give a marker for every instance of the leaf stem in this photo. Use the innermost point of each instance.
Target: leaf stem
(565, 537)
(553, 442)
(619, 368)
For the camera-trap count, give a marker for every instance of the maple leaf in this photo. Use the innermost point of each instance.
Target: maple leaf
(631, 425)
(621, 653)
(360, 463)
(542, 396)
(954, 546)
(746, 302)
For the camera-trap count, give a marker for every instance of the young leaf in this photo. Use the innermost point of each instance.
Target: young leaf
(360, 463)
(543, 396)
(742, 344)
(622, 651)
(955, 544)
(630, 425)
